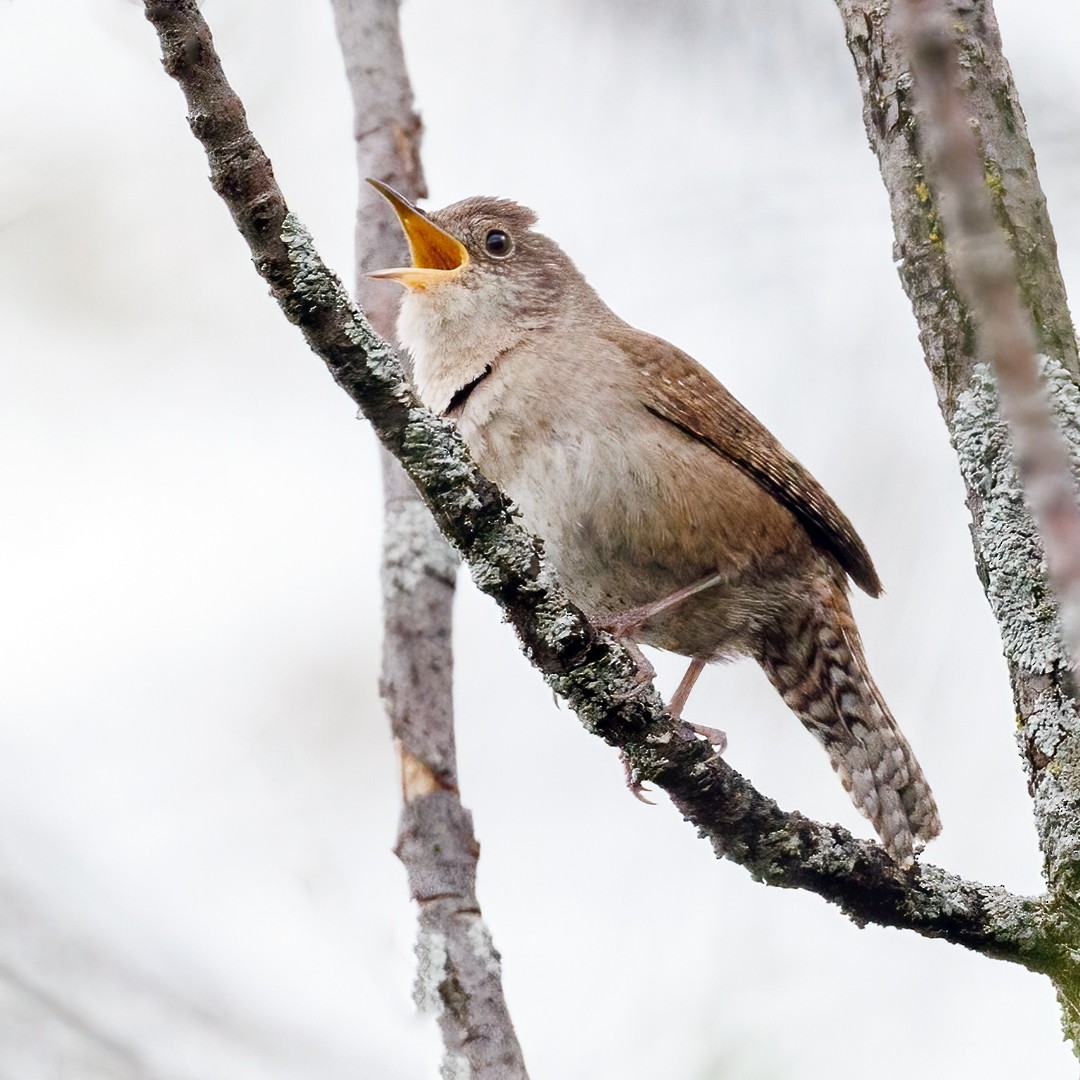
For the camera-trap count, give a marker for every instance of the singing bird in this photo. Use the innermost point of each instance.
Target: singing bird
(672, 516)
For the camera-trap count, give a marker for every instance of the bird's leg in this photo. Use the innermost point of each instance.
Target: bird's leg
(644, 676)
(645, 670)
(623, 627)
(716, 738)
(626, 624)
(682, 692)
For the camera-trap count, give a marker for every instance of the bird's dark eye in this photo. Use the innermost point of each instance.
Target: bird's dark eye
(498, 243)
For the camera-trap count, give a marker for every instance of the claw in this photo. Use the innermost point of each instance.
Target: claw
(632, 782)
(716, 738)
(645, 671)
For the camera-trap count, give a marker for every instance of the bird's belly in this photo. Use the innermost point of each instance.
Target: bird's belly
(624, 530)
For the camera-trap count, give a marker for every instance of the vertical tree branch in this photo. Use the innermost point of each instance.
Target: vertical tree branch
(458, 969)
(986, 272)
(1003, 286)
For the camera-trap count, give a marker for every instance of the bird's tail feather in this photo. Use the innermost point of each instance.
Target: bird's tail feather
(818, 667)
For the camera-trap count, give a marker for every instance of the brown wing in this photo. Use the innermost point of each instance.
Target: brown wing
(678, 389)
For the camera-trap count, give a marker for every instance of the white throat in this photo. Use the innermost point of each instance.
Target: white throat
(453, 333)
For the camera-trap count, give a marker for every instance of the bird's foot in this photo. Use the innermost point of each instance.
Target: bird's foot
(716, 738)
(624, 626)
(644, 673)
(633, 781)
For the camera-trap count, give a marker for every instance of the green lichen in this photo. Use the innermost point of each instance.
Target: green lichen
(1013, 569)
(315, 285)
(1007, 543)
(934, 230)
(1065, 399)
(316, 289)
(1003, 101)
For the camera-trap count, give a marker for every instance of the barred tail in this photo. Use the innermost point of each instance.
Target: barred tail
(817, 665)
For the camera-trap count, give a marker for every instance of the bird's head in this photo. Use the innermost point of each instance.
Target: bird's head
(480, 259)
(482, 283)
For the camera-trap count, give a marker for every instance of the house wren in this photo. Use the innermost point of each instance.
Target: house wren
(672, 516)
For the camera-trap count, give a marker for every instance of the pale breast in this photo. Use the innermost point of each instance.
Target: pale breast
(630, 507)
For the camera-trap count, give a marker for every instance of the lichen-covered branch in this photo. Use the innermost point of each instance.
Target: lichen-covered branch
(985, 269)
(1008, 554)
(980, 313)
(595, 676)
(459, 973)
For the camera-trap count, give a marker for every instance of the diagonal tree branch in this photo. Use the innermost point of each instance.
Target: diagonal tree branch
(459, 968)
(593, 674)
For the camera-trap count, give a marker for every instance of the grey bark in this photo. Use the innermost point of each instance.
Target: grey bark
(458, 972)
(1009, 552)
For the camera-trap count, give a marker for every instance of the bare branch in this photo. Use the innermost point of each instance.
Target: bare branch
(459, 971)
(593, 674)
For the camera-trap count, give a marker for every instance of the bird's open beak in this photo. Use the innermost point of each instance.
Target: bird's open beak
(436, 255)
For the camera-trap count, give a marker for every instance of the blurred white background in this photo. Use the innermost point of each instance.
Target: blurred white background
(198, 798)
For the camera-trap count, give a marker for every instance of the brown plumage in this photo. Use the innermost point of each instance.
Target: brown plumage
(644, 476)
